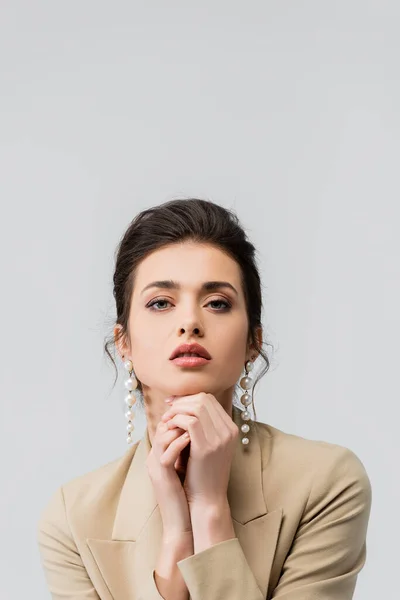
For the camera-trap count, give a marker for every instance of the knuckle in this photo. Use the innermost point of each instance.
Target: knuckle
(164, 461)
(201, 400)
(211, 449)
(161, 427)
(200, 411)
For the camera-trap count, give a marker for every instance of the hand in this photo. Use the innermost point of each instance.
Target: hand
(162, 463)
(213, 436)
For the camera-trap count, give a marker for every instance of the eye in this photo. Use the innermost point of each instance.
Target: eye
(153, 305)
(156, 301)
(226, 305)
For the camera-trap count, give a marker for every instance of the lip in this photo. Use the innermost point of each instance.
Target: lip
(190, 361)
(195, 348)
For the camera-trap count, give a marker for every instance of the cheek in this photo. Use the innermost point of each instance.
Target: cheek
(146, 332)
(147, 353)
(232, 348)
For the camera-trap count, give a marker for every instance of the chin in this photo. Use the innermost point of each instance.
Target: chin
(190, 384)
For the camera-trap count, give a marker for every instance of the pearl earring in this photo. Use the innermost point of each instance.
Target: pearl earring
(245, 384)
(131, 385)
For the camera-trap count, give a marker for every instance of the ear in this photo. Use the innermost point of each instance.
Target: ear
(121, 344)
(252, 352)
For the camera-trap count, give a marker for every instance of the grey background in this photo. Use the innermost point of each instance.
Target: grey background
(285, 111)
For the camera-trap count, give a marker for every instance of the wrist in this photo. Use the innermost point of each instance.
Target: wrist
(177, 542)
(167, 577)
(171, 551)
(209, 510)
(211, 525)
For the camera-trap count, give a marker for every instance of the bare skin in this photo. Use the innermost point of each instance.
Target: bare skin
(190, 473)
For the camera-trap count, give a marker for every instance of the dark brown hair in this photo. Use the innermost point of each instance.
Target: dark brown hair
(181, 220)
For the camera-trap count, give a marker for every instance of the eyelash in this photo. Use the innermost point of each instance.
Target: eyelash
(150, 305)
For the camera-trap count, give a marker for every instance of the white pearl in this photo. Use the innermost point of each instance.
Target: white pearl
(131, 383)
(245, 441)
(246, 399)
(128, 365)
(246, 382)
(129, 415)
(245, 428)
(249, 365)
(129, 427)
(130, 399)
(129, 439)
(246, 415)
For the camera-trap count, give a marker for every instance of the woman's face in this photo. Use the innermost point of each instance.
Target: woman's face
(163, 317)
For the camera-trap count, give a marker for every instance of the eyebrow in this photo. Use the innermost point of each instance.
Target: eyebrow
(207, 286)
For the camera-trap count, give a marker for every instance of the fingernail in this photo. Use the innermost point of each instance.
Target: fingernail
(169, 399)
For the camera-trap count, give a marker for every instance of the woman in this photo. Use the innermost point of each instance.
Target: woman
(209, 504)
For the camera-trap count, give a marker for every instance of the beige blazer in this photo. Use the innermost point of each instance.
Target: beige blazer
(300, 511)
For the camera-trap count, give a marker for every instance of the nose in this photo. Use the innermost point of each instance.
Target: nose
(190, 330)
(189, 326)
(189, 319)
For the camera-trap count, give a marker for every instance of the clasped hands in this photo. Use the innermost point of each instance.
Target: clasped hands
(213, 436)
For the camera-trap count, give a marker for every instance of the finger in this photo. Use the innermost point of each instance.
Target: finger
(202, 412)
(223, 422)
(171, 454)
(193, 426)
(164, 436)
(217, 416)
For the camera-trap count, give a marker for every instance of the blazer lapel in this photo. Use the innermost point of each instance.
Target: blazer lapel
(126, 561)
(256, 528)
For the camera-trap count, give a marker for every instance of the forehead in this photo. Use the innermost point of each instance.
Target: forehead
(188, 262)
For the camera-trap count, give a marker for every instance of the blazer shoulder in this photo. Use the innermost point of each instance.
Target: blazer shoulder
(95, 479)
(324, 493)
(94, 488)
(296, 448)
(309, 465)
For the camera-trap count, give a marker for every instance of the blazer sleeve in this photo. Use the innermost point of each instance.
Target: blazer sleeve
(65, 573)
(220, 572)
(329, 548)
